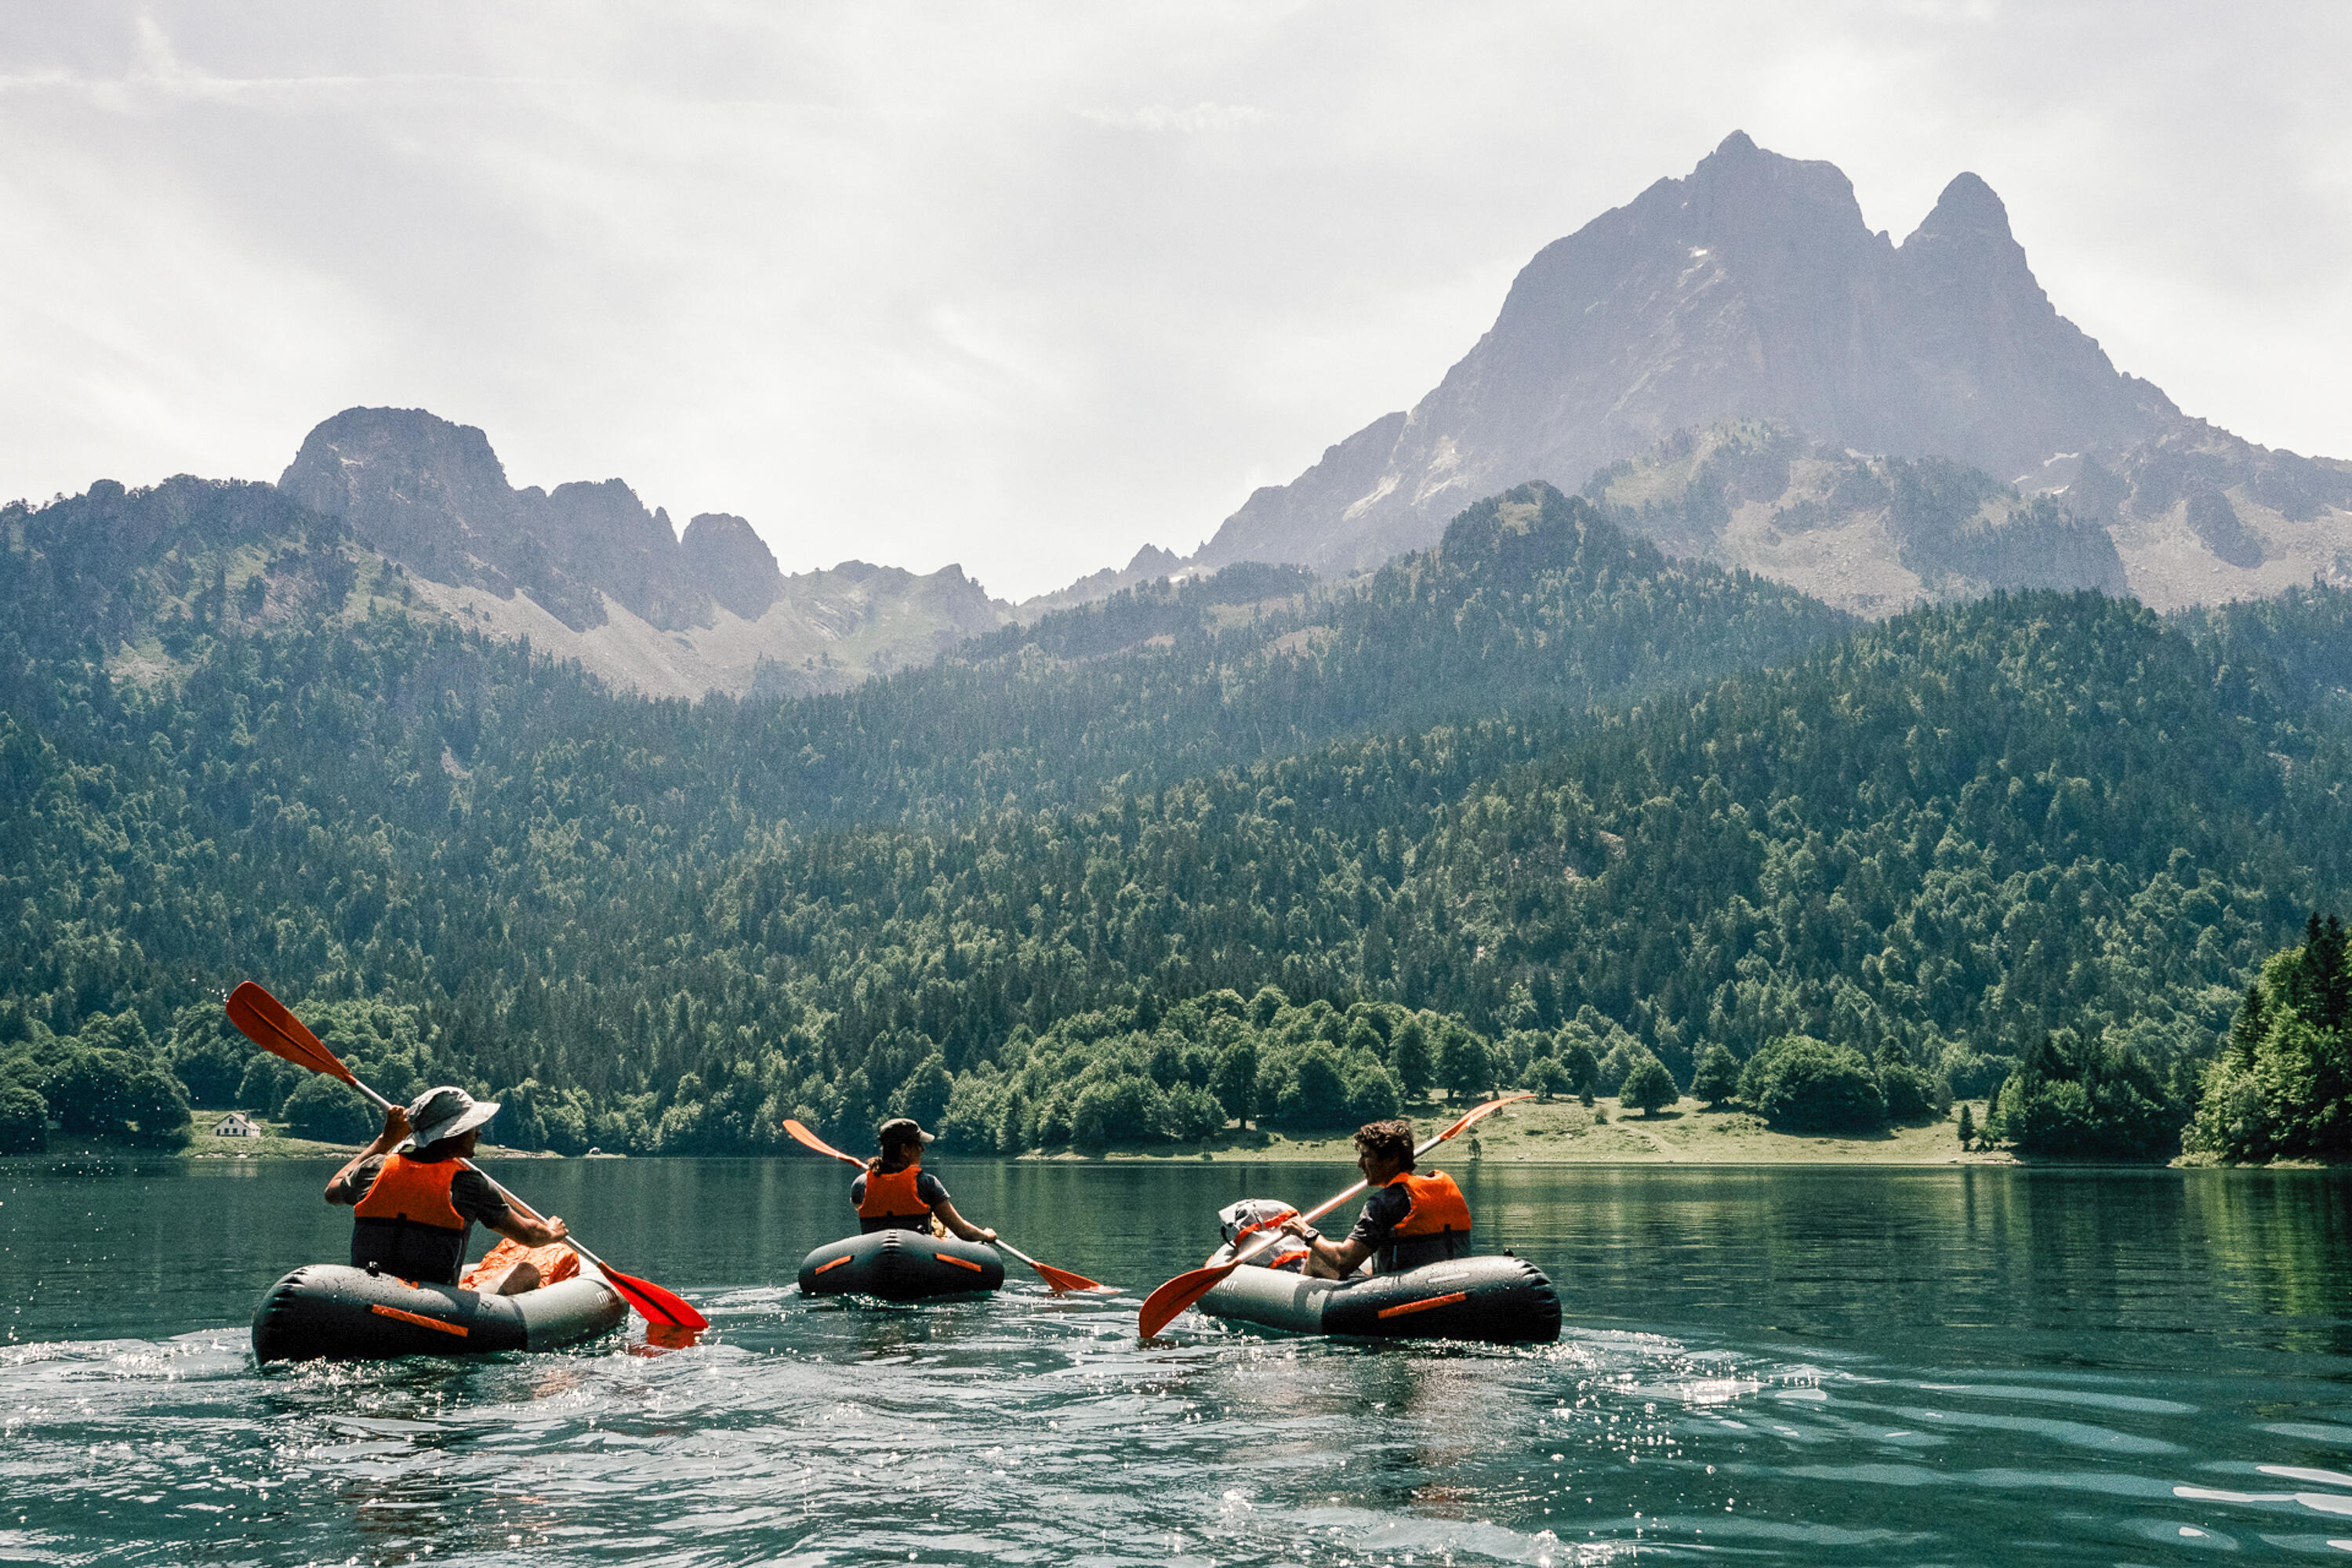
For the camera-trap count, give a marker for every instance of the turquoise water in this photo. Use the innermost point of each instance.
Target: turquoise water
(1778, 1365)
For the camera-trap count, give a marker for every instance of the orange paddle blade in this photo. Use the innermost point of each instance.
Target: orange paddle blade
(266, 1021)
(1059, 1278)
(662, 1337)
(1163, 1305)
(657, 1306)
(1062, 1279)
(801, 1135)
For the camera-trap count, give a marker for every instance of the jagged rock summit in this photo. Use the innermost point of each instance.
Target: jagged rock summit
(1750, 290)
(433, 496)
(586, 571)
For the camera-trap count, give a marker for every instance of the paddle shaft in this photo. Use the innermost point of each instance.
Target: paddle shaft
(1019, 1254)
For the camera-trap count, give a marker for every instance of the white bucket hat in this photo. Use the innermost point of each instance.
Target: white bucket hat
(445, 1112)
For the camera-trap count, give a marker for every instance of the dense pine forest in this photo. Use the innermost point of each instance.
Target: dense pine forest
(1538, 807)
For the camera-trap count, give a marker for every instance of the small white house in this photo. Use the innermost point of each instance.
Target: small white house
(235, 1125)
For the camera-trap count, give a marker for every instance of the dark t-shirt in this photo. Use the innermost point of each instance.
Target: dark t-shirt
(1383, 1211)
(470, 1193)
(927, 1187)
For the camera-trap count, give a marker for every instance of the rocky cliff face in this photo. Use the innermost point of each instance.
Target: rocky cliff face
(586, 572)
(1750, 289)
(2192, 516)
(733, 564)
(434, 497)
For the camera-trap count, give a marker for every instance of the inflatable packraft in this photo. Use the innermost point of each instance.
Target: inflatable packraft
(335, 1312)
(1495, 1300)
(900, 1266)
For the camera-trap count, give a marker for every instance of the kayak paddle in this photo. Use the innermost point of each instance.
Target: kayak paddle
(1059, 1278)
(266, 1021)
(1160, 1308)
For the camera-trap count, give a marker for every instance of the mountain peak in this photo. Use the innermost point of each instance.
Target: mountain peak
(1966, 206)
(1751, 289)
(1741, 189)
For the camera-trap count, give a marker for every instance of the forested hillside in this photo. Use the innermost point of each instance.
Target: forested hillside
(1502, 805)
(386, 808)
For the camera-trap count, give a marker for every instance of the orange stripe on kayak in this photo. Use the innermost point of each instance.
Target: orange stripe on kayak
(421, 1320)
(960, 1262)
(834, 1263)
(1424, 1304)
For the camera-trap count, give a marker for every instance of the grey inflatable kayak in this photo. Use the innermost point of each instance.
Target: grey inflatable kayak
(335, 1312)
(900, 1266)
(1497, 1301)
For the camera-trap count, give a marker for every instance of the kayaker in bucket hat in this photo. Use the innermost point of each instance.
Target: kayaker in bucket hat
(443, 1114)
(416, 1200)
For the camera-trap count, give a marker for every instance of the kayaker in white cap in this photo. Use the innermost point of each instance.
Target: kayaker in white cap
(416, 1201)
(894, 1193)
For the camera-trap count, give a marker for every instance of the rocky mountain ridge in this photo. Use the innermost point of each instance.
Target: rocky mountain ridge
(1751, 292)
(398, 508)
(586, 571)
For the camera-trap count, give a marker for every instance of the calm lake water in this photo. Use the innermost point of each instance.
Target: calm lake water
(1964, 1365)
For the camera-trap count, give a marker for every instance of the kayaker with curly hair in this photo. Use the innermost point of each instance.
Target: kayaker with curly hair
(1408, 1220)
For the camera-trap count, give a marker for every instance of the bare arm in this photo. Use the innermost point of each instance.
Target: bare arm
(395, 1128)
(1340, 1257)
(531, 1232)
(957, 1225)
(515, 1220)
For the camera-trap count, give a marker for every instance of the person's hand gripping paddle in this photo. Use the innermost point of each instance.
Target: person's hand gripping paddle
(266, 1021)
(1160, 1308)
(1059, 1278)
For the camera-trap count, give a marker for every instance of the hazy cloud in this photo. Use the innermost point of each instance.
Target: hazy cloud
(1025, 286)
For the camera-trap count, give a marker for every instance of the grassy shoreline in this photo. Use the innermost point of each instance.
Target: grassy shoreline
(1563, 1132)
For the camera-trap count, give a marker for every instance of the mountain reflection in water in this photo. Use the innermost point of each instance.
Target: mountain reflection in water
(1786, 1364)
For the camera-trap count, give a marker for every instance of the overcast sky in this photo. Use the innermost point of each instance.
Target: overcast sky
(1024, 287)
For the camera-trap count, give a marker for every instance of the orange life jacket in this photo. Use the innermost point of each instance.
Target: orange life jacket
(890, 1203)
(406, 1226)
(415, 1189)
(1436, 1226)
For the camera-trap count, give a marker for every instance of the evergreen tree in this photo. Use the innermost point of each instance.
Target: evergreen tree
(1410, 1060)
(1715, 1077)
(1236, 1078)
(1649, 1087)
(2246, 1029)
(1465, 1064)
(1583, 1068)
(2327, 984)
